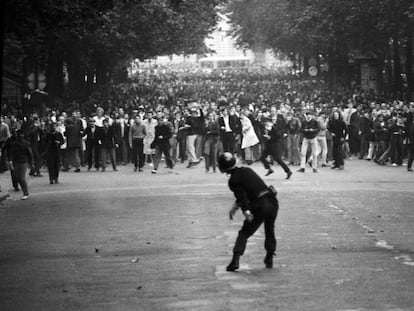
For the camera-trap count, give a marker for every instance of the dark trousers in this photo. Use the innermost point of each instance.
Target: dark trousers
(163, 148)
(354, 141)
(72, 157)
(337, 153)
(210, 152)
(410, 155)
(92, 155)
(229, 142)
(182, 147)
(274, 150)
(37, 161)
(3, 158)
(13, 176)
(105, 153)
(53, 166)
(264, 210)
(396, 149)
(138, 157)
(122, 151)
(364, 145)
(20, 170)
(381, 147)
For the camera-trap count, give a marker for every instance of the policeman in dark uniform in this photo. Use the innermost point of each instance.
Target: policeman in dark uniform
(258, 203)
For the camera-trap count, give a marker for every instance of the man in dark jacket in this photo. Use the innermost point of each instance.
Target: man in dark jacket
(35, 139)
(195, 125)
(92, 146)
(74, 134)
(19, 154)
(121, 132)
(365, 130)
(410, 137)
(106, 142)
(53, 141)
(273, 145)
(310, 129)
(229, 128)
(258, 203)
(161, 144)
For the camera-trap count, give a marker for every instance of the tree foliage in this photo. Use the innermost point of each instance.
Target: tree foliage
(99, 37)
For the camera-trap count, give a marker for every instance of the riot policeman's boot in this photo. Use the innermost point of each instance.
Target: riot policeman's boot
(268, 261)
(234, 264)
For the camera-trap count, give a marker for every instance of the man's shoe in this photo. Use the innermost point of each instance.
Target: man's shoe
(269, 171)
(409, 169)
(25, 197)
(268, 261)
(38, 175)
(233, 265)
(115, 170)
(154, 172)
(315, 170)
(334, 167)
(289, 174)
(77, 170)
(135, 169)
(324, 165)
(51, 182)
(301, 170)
(56, 181)
(140, 170)
(341, 167)
(16, 189)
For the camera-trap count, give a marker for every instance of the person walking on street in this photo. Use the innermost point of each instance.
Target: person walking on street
(195, 125)
(53, 141)
(161, 144)
(74, 134)
(338, 129)
(136, 136)
(273, 146)
(211, 142)
(19, 154)
(35, 139)
(310, 129)
(258, 203)
(106, 141)
(410, 136)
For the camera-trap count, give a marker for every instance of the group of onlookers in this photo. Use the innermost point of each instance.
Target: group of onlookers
(304, 125)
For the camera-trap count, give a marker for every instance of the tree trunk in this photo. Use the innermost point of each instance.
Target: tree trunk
(74, 72)
(397, 68)
(409, 69)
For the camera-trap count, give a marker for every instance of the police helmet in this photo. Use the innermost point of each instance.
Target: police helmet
(226, 162)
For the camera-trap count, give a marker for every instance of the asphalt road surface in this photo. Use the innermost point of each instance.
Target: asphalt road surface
(138, 241)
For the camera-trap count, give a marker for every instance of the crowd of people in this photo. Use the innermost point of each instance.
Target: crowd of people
(259, 115)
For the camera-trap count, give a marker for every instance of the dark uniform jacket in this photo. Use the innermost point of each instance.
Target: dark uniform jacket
(246, 186)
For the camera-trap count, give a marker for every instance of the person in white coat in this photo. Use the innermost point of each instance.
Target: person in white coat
(249, 137)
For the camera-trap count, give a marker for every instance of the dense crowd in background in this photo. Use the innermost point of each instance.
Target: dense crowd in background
(190, 116)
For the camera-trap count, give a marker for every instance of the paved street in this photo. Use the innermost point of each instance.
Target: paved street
(137, 241)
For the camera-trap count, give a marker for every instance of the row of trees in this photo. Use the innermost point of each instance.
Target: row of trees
(331, 31)
(83, 43)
